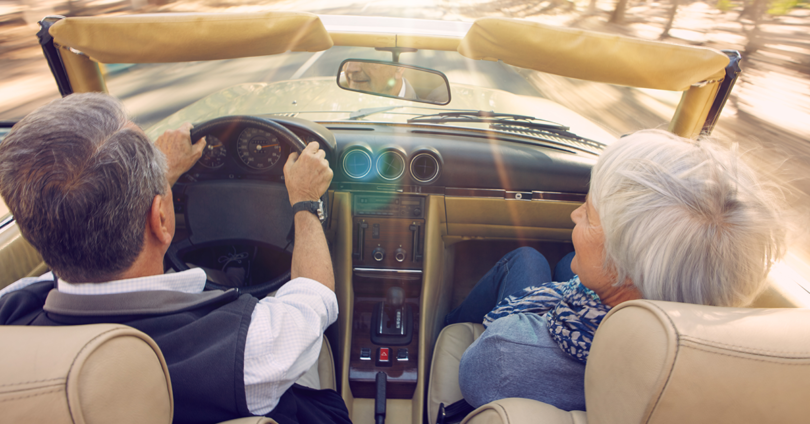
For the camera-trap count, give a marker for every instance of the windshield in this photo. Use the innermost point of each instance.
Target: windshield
(161, 96)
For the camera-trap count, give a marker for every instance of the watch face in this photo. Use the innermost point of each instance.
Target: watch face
(319, 211)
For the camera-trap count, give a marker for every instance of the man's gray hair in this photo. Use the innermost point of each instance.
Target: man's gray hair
(686, 221)
(80, 185)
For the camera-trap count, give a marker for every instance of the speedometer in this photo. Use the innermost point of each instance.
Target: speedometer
(258, 149)
(214, 153)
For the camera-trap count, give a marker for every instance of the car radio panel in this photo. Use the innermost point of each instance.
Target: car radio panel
(389, 206)
(388, 231)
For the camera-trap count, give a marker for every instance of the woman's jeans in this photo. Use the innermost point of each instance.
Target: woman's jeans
(520, 268)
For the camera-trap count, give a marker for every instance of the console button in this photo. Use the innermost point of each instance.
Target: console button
(365, 353)
(384, 357)
(402, 355)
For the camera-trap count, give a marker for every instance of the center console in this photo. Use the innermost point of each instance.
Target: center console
(387, 260)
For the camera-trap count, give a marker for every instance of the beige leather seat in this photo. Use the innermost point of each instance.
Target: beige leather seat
(663, 362)
(104, 373)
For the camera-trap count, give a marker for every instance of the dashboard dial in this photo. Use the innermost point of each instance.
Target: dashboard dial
(258, 149)
(214, 153)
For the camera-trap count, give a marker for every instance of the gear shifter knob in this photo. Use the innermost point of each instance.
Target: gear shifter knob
(395, 296)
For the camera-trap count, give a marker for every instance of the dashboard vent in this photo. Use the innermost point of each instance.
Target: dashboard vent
(424, 167)
(390, 165)
(357, 163)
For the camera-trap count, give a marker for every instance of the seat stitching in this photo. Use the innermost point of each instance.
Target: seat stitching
(672, 365)
(31, 395)
(32, 381)
(752, 359)
(743, 348)
(67, 396)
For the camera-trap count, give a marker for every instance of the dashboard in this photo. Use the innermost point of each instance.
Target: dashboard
(368, 156)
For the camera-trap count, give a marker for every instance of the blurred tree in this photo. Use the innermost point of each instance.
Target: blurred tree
(617, 17)
(754, 10)
(673, 10)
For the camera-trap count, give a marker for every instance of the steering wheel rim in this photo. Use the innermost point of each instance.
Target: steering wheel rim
(223, 124)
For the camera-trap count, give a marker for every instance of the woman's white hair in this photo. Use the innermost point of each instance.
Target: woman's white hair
(685, 221)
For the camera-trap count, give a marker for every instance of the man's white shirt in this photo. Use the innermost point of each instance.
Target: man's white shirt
(284, 337)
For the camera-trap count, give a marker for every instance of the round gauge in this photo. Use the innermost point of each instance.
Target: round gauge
(214, 153)
(258, 149)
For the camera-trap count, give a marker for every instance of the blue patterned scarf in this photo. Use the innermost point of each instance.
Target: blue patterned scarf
(571, 310)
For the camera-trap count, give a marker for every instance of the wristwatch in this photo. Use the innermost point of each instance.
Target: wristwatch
(316, 207)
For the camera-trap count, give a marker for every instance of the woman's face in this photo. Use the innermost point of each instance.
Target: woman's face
(589, 245)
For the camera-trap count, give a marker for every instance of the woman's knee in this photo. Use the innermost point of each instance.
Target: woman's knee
(527, 255)
(528, 264)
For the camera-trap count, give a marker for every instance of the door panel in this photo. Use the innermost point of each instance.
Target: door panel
(18, 258)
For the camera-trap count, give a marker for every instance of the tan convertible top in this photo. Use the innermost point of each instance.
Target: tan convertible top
(592, 56)
(568, 52)
(157, 38)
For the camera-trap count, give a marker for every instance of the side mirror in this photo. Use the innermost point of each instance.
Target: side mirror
(395, 80)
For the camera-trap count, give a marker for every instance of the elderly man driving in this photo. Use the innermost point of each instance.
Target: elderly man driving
(93, 194)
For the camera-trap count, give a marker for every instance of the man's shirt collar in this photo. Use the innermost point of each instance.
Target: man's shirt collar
(191, 281)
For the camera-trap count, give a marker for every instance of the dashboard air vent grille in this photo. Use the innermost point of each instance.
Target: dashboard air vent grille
(424, 167)
(356, 163)
(390, 165)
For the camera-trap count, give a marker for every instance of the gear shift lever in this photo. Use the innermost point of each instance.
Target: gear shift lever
(392, 320)
(395, 297)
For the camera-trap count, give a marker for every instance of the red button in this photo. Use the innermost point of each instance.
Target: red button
(383, 354)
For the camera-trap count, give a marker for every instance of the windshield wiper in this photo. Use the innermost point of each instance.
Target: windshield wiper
(362, 113)
(483, 116)
(508, 122)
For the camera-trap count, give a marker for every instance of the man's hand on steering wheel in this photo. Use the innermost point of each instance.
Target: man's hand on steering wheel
(180, 153)
(307, 175)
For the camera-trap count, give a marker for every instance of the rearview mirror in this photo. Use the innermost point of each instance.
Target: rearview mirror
(395, 80)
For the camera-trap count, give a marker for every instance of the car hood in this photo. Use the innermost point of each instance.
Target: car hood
(320, 99)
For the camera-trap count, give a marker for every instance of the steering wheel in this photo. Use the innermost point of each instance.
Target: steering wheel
(213, 211)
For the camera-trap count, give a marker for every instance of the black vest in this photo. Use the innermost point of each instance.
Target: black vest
(202, 336)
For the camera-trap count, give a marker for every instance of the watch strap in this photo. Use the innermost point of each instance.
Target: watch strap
(314, 207)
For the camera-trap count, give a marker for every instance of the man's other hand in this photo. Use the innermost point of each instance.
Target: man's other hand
(307, 175)
(181, 155)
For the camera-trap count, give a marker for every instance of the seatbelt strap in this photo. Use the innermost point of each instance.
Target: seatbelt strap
(453, 413)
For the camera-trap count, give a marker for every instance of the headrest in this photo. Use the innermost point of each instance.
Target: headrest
(661, 362)
(89, 374)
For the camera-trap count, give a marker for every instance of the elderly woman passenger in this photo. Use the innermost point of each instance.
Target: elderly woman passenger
(666, 218)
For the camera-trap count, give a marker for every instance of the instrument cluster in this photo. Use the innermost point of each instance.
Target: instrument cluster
(253, 152)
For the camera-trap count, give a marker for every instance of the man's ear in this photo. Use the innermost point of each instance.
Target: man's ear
(158, 221)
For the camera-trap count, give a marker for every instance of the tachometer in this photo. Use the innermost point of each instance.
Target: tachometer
(213, 154)
(258, 149)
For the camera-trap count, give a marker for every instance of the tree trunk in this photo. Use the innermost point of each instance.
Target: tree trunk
(591, 8)
(754, 35)
(617, 17)
(673, 10)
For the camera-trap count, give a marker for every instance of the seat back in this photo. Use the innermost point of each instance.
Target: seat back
(662, 362)
(86, 374)
(443, 383)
